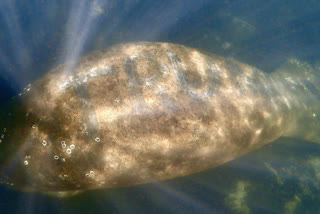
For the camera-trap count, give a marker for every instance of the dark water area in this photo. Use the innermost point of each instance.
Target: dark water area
(282, 177)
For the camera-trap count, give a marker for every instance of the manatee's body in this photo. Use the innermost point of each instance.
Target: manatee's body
(144, 112)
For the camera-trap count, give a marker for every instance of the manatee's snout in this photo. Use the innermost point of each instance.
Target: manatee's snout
(13, 129)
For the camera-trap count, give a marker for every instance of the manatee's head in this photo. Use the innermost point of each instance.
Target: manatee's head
(21, 150)
(14, 127)
(36, 150)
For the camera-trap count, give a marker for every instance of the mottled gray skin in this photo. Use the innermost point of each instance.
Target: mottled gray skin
(142, 112)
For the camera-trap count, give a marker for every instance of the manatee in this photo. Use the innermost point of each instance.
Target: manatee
(148, 111)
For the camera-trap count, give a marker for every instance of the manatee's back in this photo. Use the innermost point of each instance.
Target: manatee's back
(143, 112)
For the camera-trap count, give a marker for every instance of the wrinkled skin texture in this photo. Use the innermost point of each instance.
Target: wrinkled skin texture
(137, 113)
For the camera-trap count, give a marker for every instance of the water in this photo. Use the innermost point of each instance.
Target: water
(282, 177)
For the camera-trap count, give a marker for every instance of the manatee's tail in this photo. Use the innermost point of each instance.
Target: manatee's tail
(302, 83)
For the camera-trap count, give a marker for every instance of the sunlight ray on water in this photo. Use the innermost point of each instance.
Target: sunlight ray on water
(20, 51)
(78, 28)
(164, 15)
(179, 196)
